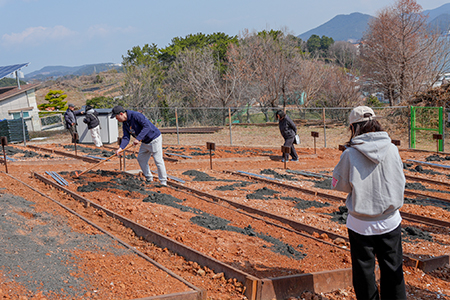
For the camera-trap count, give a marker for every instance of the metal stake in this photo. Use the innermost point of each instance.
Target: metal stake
(210, 146)
(4, 142)
(286, 151)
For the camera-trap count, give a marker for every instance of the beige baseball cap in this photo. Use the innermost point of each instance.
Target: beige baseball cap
(361, 114)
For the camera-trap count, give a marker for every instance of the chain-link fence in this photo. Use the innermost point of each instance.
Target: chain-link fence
(330, 123)
(52, 121)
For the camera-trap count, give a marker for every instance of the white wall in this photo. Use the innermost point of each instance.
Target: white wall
(22, 101)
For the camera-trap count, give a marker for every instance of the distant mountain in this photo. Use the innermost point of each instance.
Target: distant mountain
(434, 13)
(53, 72)
(441, 23)
(351, 27)
(341, 28)
(439, 18)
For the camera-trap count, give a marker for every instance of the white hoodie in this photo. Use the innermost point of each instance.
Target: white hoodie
(372, 173)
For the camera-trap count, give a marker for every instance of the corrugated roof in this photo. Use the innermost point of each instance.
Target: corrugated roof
(8, 92)
(6, 70)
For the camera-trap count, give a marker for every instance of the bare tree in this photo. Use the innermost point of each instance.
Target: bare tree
(198, 75)
(339, 90)
(344, 54)
(141, 86)
(310, 78)
(400, 55)
(265, 64)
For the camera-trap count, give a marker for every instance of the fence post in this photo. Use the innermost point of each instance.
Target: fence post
(441, 128)
(176, 121)
(324, 128)
(409, 128)
(412, 145)
(229, 121)
(23, 129)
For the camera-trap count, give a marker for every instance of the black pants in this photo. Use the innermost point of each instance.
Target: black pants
(73, 130)
(388, 250)
(290, 143)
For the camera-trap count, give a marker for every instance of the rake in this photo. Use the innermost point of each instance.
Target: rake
(97, 164)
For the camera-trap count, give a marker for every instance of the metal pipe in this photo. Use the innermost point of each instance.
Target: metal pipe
(56, 179)
(171, 177)
(184, 156)
(257, 175)
(60, 177)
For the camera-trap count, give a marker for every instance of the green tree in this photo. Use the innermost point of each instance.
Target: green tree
(217, 42)
(373, 101)
(55, 100)
(319, 46)
(141, 57)
(325, 43)
(313, 44)
(147, 68)
(104, 102)
(144, 75)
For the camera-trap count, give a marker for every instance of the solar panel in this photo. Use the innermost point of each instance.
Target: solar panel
(6, 70)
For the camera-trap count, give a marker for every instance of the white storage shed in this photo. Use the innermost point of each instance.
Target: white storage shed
(109, 128)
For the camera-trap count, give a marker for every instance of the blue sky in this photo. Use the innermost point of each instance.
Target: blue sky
(79, 32)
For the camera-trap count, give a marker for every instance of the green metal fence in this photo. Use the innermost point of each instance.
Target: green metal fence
(428, 119)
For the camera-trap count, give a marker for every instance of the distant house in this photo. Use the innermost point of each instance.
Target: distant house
(443, 79)
(15, 101)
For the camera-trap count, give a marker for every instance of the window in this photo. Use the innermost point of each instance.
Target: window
(16, 115)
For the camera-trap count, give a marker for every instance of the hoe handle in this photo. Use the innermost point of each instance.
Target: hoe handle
(105, 160)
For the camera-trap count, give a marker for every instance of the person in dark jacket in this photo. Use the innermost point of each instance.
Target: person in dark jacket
(93, 124)
(71, 121)
(288, 130)
(370, 170)
(144, 132)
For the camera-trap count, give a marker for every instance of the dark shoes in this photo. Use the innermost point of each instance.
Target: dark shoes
(282, 160)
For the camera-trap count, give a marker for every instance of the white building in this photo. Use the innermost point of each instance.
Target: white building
(16, 101)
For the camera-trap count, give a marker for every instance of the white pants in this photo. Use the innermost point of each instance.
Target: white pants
(154, 148)
(96, 138)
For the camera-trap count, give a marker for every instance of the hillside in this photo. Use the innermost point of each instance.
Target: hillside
(341, 28)
(84, 87)
(54, 72)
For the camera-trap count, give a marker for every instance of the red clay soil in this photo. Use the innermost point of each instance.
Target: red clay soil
(253, 253)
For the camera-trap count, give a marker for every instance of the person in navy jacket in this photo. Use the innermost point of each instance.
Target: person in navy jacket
(71, 120)
(145, 132)
(288, 130)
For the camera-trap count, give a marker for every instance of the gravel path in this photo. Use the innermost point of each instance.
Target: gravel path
(36, 249)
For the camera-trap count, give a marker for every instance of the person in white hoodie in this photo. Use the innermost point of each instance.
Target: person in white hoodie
(93, 124)
(370, 170)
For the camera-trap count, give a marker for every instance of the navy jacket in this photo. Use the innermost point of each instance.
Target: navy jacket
(140, 127)
(69, 117)
(287, 128)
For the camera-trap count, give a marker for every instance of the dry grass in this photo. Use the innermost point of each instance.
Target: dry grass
(261, 136)
(255, 136)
